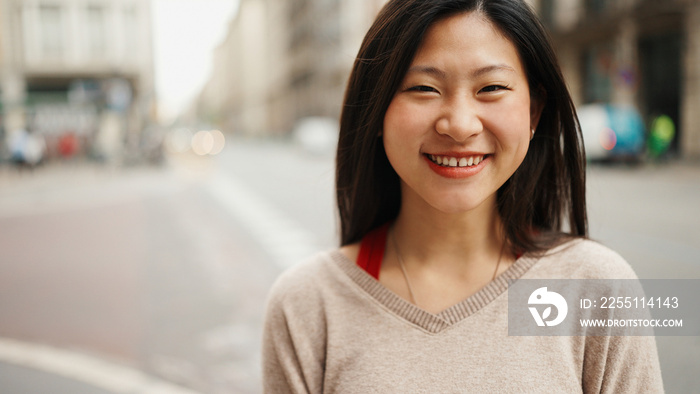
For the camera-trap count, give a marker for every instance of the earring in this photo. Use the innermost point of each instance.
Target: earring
(532, 133)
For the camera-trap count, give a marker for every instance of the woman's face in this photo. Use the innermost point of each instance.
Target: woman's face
(459, 125)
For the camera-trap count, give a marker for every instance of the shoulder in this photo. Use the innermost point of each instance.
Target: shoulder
(306, 285)
(584, 259)
(303, 278)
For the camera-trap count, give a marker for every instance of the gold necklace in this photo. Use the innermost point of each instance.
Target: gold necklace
(405, 274)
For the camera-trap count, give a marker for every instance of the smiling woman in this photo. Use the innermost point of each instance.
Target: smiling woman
(459, 163)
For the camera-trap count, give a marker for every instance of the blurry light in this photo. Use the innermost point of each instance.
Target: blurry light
(608, 138)
(179, 140)
(202, 142)
(208, 142)
(219, 142)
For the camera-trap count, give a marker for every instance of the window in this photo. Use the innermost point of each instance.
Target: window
(131, 27)
(547, 12)
(51, 19)
(598, 66)
(597, 7)
(96, 20)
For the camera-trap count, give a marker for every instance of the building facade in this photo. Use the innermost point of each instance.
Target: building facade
(80, 68)
(644, 53)
(282, 61)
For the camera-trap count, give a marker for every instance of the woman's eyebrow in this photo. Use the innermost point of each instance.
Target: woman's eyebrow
(491, 68)
(436, 72)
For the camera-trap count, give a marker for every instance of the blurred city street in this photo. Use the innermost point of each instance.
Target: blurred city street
(165, 270)
(136, 255)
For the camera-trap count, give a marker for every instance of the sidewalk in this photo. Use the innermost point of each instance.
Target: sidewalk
(31, 368)
(17, 379)
(75, 185)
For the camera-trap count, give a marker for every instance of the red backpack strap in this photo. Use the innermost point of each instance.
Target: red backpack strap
(372, 250)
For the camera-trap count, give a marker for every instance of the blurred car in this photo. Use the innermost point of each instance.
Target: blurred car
(317, 134)
(612, 132)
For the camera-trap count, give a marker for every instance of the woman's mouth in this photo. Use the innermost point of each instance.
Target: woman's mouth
(457, 166)
(451, 161)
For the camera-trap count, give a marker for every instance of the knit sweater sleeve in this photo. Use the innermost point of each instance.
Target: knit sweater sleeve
(621, 364)
(294, 334)
(613, 364)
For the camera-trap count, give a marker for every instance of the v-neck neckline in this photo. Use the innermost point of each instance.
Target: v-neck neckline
(433, 323)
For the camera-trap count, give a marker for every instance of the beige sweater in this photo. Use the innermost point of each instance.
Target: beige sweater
(331, 328)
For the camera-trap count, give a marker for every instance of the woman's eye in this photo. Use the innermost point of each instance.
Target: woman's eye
(422, 88)
(494, 88)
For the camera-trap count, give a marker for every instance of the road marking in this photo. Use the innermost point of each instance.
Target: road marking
(80, 367)
(286, 241)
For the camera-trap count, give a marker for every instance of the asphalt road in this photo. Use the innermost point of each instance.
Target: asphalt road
(139, 267)
(166, 270)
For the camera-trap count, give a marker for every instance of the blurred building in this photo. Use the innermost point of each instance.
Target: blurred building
(644, 53)
(77, 68)
(283, 60)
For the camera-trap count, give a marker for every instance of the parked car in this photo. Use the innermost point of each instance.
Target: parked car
(612, 132)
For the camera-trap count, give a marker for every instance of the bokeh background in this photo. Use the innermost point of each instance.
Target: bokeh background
(162, 161)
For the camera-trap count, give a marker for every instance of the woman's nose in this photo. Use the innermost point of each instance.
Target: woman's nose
(459, 120)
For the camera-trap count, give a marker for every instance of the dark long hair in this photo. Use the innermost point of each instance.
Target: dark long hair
(544, 192)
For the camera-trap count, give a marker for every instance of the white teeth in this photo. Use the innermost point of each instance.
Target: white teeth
(448, 161)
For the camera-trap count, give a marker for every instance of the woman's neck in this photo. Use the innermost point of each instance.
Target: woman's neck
(459, 242)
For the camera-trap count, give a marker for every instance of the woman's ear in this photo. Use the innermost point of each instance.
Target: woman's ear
(538, 98)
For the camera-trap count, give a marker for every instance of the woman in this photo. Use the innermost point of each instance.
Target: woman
(459, 162)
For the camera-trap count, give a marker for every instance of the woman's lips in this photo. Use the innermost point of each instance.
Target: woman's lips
(455, 166)
(456, 161)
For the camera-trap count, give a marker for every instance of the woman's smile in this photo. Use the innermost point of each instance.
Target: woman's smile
(455, 165)
(456, 160)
